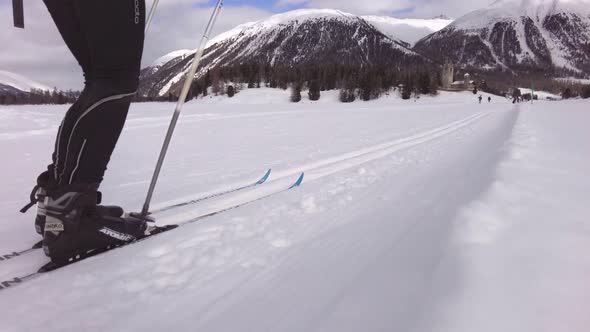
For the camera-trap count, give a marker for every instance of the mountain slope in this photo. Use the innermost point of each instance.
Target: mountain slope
(517, 35)
(297, 38)
(10, 81)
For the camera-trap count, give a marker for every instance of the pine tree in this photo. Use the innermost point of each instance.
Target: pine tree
(296, 93)
(314, 90)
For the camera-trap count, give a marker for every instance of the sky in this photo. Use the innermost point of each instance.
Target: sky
(38, 51)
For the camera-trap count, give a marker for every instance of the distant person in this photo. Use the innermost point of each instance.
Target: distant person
(480, 98)
(489, 99)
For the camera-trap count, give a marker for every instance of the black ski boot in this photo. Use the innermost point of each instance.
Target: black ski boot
(75, 226)
(46, 183)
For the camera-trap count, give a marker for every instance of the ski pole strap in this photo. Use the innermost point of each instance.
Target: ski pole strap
(18, 13)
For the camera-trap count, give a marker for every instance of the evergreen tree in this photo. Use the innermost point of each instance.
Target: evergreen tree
(347, 95)
(296, 93)
(314, 90)
(424, 83)
(231, 91)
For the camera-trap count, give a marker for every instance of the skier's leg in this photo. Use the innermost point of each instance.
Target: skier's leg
(66, 19)
(114, 34)
(113, 30)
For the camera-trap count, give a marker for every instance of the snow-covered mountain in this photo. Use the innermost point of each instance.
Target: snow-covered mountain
(408, 29)
(300, 37)
(11, 83)
(517, 35)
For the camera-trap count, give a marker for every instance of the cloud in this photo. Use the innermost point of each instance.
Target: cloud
(286, 3)
(409, 8)
(39, 52)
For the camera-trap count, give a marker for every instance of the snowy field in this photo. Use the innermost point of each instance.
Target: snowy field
(432, 215)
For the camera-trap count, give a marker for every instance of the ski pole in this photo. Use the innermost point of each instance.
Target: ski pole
(151, 15)
(181, 100)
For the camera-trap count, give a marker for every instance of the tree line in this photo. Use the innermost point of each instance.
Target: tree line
(354, 82)
(40, 97)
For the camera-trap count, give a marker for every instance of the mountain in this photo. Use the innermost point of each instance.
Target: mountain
(11, 83)
(296, 38)
(524, 35)
(407, 29)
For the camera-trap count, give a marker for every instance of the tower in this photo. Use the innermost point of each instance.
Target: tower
(448, 75)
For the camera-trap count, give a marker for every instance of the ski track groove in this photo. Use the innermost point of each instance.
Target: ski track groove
(320, 169)
(338, 163)
(263, 280)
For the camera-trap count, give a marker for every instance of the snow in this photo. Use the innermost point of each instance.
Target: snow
(523, 264)
(303, 15)
(513, 10)
(169, 57)
(573, 80)
(540, 94)
(437, 214)
(406, 29)
(253, 28)
(20, 82)
(230, 33)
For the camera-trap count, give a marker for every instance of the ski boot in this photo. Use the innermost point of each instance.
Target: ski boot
(75, 227)
(46, 182)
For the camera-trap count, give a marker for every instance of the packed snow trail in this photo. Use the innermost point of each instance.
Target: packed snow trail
(518, 256)
(174, 213)
(371, 272)
(350, 250)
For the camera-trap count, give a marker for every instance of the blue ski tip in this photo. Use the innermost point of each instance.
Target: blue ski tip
(264, 178)
(299, 181)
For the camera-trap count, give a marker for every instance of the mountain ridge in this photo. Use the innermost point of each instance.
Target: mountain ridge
(509, 35)
(296, 38)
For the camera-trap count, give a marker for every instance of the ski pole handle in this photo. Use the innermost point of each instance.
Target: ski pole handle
(18, 13)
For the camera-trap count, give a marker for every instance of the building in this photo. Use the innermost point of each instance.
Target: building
(466, 84)
(448, 75)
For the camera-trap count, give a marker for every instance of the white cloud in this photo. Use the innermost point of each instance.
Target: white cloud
(363, 7)
(409, 8)
(284, 3)
(39, 52)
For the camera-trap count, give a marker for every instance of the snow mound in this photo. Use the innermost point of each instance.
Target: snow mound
(20, 82)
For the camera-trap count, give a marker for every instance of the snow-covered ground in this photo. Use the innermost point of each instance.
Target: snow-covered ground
(542, 95)
(432, 215)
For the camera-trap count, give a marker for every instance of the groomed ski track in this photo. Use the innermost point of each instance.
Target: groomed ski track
(314, 259)
(199, 206)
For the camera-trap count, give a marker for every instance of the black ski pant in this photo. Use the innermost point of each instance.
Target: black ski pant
(106, 38)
